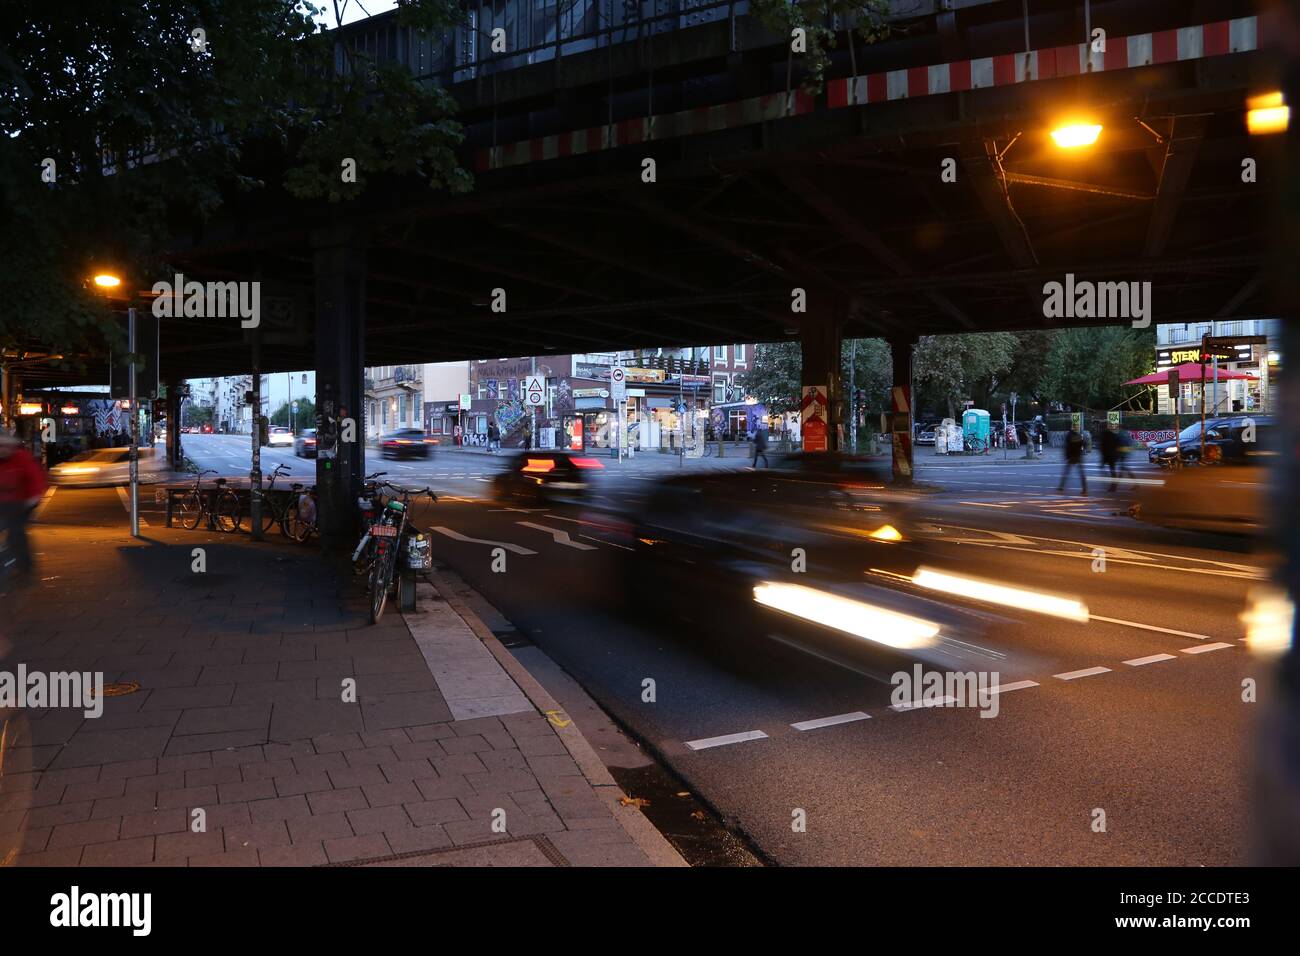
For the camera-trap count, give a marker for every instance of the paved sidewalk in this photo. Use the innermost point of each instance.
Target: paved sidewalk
(442, 758)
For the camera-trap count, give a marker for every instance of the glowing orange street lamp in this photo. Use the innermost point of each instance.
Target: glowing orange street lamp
(1076, 135)
(1267, 113)
(105, 282)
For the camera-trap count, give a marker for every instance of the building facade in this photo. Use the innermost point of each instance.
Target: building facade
(1180, 342)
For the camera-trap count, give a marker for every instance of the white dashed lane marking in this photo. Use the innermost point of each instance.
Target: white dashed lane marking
(922, 704)
(1153, 659)
(1149, 627)
(1085, 672)
(708, 742)
(831, 721)
(1202, 648)
(1015, 685)
(558, 536)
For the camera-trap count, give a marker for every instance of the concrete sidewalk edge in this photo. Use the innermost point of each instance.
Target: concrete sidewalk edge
(641, 831)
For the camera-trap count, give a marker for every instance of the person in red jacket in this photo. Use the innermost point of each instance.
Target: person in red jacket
(22, 482)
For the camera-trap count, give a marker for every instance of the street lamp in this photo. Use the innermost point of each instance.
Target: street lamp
(1267, 113)
(1076, 135)
(106, 282)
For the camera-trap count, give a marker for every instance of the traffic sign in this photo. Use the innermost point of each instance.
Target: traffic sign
(618, 382)
(1112, 418)
(465, 400)
(534, 391)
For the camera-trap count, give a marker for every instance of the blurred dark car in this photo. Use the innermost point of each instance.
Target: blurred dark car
(1230, 500)
(547, 476)
(809, 554)
(304, 446)
(1226, 435)
(406, 443)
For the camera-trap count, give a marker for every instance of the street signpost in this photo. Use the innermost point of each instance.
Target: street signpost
(618, 390)
(534, 391)
(1173, 397)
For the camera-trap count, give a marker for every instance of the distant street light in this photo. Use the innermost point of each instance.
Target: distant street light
(1075, 135)
(106, 281)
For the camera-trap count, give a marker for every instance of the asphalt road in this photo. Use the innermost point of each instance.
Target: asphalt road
(1136, 713)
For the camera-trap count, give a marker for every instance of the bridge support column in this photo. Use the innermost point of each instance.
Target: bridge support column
(821, 418)
(340, 271)
(900, 404)
(173, 444)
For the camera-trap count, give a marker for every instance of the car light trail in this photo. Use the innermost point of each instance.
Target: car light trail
(992, 593)
(845, 614)
(1270, 619)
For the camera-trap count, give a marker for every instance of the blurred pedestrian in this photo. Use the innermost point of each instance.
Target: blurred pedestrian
(1114, 450)
(494, 438)
(760, 447)
(1074, 446)
(21, 485)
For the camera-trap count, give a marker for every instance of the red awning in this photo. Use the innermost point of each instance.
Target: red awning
(1188, 372)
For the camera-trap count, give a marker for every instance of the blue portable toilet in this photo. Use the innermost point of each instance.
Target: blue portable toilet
(975, 425)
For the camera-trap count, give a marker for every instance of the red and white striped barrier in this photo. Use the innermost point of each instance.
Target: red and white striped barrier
(1144, 49)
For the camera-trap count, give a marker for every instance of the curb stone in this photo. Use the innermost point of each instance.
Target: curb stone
(642, 832)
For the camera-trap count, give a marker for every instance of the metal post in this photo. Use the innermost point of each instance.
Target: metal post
(135, 426)
(255, 474)
(853, 391)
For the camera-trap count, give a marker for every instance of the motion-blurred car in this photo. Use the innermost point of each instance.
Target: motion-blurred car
(406, 443)
(1226, 435)
(304, 446)
(817, 554)
(1232, 499)
(103, 467)
(279, 436)
(546, 476)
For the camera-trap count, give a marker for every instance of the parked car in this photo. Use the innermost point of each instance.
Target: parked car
(279, 435)
(546, 476)
(1226, 435)
(304, 446)
(406, 443)
(925, 432)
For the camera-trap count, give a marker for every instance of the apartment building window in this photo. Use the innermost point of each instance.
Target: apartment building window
(719, 388)
(383, 413)
(720, 353)
(738, 353)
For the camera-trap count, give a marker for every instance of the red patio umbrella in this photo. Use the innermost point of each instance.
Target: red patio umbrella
(1188, 372)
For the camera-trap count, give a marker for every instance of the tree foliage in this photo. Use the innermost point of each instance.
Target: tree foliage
(147, 124)
(812, 16)
(947, 368)
(1087, 367)
(775, 376)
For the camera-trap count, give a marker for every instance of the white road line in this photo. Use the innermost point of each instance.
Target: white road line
(830, 721)
(1149, 627)
(1086, 672)
(126, 503)
(1014, 685)
(45, 500)
(983, 504)
(603, 541)
(456, 535)
(922, 704)
(558, 536)
(1152, 659)
(707, 742)
(1202, 648)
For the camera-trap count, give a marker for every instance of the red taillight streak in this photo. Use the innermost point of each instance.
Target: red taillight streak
(586, 463)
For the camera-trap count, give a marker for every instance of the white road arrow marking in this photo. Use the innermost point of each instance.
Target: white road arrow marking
(560, 537)
(456, 535)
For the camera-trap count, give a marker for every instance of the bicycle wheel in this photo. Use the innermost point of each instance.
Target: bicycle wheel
(190, 509)
(228, 512)
(270, 515)
(381, 573)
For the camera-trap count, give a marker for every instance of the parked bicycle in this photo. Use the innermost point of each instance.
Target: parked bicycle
(371, 504)
(394, 544)
(220, 504)
(281, 508)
